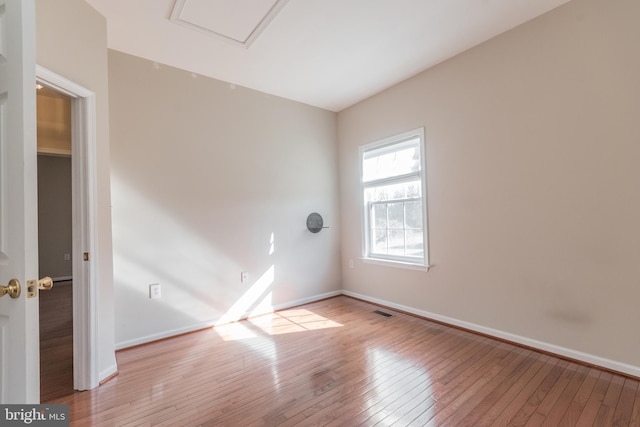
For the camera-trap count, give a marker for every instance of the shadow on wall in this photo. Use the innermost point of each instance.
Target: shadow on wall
(200, 285)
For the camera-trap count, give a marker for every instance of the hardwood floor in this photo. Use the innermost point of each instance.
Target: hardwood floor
(337, 363)
(56, 342)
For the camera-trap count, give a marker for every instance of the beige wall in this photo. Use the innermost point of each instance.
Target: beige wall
(71, 40)
(54, 216)
(210, 180)
(533, 141)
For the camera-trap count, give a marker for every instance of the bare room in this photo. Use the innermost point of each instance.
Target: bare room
(306, 212)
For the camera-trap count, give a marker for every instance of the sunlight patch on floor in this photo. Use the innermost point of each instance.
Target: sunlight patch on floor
(234, 331)
(278, 323)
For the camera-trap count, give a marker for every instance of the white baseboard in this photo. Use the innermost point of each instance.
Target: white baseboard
(307, 300)
(217, 322)
(587, 358)
(162, 335)
(107, 373)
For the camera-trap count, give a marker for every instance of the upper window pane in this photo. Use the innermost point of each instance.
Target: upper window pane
(396, 160)
(404, 190)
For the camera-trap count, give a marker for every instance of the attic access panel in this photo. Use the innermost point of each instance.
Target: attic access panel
(236, 21)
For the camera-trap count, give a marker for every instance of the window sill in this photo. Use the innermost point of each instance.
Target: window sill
(397, 264)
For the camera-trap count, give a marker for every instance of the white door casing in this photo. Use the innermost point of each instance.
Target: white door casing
(19, 330)
(84, 195)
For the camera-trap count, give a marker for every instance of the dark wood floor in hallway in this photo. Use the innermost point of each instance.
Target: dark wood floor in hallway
(336, 362)
(56, 342)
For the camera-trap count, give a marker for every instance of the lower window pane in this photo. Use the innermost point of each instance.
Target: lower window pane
(414, 214)
(379, 213)
(415, 246)
(396, 242)
(396, 230)
(396, 215)
(379, 241)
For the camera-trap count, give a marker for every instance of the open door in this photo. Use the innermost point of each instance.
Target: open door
(19, 352)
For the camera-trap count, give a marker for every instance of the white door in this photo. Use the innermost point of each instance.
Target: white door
(19, 351)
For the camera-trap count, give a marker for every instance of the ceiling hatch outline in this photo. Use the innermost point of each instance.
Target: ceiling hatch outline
(250, 18)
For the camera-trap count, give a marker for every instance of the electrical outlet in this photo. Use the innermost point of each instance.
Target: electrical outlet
(350, 263)
(67, 257)
(154, 291)
(244, 277)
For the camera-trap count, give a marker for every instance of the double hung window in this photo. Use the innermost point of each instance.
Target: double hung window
(393, 185)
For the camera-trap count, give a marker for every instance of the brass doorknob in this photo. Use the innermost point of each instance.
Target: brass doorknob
(45, 284)
(13, 289)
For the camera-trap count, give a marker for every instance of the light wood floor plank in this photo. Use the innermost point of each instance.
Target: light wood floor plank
(539, 394)
(624, 408)
(552, 395)
(610, 401)
(449, 391)
(591, 408)
(471, 398)
(581, 397)
(563, 402)
(634, 419)
(437, 359)
(336, 363)
(489, 417)
(488, 404)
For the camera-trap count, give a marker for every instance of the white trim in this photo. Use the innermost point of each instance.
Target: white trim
(529, 342)
(396, 264)
(176, 17)
(59, 152)
(203, 325)
(108, 372)
(84, 192)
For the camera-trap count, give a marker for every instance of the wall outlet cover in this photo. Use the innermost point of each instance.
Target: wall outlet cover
(154, 291)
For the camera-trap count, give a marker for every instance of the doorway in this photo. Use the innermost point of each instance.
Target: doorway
(54, 136)
(84, 223)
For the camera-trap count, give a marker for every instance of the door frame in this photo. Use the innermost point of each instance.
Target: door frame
(84, 209)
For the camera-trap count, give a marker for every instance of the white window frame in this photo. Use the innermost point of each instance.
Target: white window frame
(391, 260)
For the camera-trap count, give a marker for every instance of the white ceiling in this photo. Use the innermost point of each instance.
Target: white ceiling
(326, 53)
